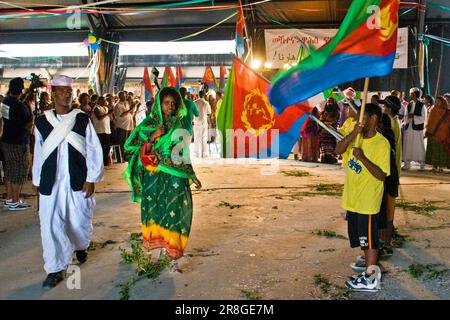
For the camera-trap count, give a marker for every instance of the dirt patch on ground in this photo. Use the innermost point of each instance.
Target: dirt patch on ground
(254, 236)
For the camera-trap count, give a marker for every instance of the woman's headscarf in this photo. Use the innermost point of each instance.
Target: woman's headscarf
(134, 174)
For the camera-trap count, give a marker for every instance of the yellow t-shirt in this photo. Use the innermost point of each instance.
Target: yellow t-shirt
(362, 191)
(395, 123)
(345, 130)
(347, 127)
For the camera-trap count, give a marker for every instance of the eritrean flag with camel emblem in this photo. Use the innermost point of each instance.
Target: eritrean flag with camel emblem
(248, 122)
(364, 46)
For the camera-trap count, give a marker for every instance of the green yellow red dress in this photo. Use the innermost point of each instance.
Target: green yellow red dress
(162, 184)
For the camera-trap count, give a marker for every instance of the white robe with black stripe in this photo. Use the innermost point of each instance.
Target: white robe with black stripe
(66, 215)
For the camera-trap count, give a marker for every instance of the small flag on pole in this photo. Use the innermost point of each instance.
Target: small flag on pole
(168, 78)
(149, 90)
(209, 78)
(240, 25)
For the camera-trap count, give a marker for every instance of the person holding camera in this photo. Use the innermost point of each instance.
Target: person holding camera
(18, 120)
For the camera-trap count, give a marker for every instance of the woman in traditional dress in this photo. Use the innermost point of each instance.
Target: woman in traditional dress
(329, 116)
(160, 180)
(310, 140)
(437, 132)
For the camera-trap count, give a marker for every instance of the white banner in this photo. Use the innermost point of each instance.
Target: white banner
(283, 45)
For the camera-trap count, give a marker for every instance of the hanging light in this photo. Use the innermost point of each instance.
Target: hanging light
(268, 65)
(256, 64)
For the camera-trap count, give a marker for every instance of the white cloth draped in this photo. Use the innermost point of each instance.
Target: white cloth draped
(66, 215)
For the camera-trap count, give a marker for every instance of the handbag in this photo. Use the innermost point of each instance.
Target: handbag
(149, 160)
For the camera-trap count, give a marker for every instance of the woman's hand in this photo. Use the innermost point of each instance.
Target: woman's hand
(197, 183)
(157, 133)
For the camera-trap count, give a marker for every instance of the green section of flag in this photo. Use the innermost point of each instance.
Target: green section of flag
(225, 116)
(358, 13)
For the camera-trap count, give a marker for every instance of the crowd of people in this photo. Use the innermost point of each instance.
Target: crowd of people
(423, 126)
(64, 145)
(114, 118)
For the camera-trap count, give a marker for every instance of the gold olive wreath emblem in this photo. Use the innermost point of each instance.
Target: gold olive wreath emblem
(256, 106)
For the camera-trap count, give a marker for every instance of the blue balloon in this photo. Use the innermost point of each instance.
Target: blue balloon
(94, 46)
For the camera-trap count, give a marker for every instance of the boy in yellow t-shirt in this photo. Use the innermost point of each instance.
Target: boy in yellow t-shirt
(366, 169)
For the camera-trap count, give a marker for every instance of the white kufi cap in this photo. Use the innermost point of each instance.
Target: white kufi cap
(60, 80)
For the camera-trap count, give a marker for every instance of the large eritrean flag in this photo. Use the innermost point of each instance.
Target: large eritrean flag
(364, 46)
(248, 123)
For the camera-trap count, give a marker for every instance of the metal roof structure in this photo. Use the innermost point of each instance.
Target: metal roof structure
(36, 21)
(165, 20)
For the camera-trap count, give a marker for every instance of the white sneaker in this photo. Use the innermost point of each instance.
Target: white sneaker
(19, 206)
(363, 282)
(6, 202)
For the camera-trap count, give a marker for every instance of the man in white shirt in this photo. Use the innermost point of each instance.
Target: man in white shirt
(201, 126)
(124, 120)
(67, 163)
(413, 124)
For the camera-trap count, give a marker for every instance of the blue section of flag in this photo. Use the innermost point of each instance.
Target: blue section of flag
(340, 68)
(148, 95)
(286, 141)
(240, 45)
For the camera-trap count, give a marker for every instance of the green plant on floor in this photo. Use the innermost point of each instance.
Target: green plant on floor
(326, 287)
(428, 271)
(321, 189)
(329, 189)
(99, 245)
(398, 240)
(229, 205)
(125, 289)
(328, 234)
(298, 173)
(327, 250)
(142, 260)
(322, 282)
(426, 208)
(250, 295)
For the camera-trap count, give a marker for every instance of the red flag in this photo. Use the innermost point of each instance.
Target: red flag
(209, 77)
(240, 25)
(179, 77)
(169, 78)
(148, 82)
(223, 72)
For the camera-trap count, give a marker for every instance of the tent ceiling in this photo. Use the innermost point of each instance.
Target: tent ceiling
(167, 25)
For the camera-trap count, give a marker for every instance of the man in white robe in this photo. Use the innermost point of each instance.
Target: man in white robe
(201, 126)
(413, 124)
(68, 161)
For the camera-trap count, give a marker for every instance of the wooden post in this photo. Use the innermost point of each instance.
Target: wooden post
(363, 108)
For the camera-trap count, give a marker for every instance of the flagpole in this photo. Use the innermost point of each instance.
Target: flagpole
(335, 134)
(363, 108)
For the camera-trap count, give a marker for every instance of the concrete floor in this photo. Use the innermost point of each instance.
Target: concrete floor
(266, 246)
